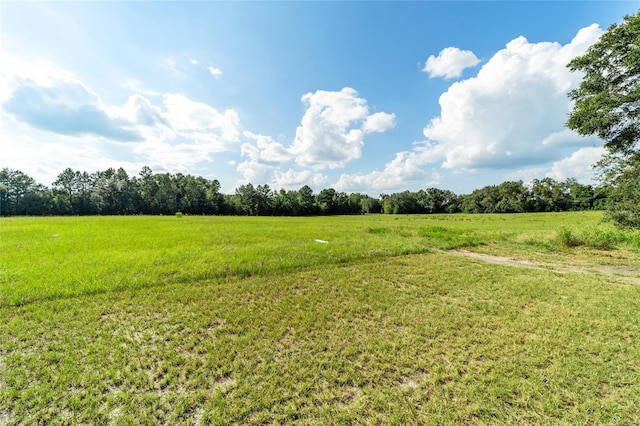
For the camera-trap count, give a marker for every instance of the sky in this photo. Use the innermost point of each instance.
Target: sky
(369, 97)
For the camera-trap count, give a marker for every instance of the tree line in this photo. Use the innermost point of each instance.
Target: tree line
(114, 192)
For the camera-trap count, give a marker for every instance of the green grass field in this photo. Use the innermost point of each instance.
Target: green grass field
(519, 319)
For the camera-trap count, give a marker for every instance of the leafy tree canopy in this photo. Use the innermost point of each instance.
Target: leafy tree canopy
(607, 104)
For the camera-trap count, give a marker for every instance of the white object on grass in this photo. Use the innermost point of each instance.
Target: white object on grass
(322, 241)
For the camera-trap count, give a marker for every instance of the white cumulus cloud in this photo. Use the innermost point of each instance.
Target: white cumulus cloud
(85, 134)
(450, 63)
(578, 165)
(265, 150)
(379, 122)
(513, 112)
(403, 171)
(510, 116)
(332, 130)
(188, 116)
(331, 134)
(264, 156)
(295, 179)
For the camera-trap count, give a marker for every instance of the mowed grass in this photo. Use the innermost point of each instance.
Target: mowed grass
(377, 327)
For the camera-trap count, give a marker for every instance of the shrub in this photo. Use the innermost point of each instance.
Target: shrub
(603, 239)
(568, 238)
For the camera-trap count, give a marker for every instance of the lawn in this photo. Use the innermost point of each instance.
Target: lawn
(197, 320)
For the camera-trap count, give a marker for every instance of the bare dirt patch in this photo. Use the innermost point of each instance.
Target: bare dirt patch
(628, 274)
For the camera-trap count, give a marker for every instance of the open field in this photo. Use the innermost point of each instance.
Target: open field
(516, 319)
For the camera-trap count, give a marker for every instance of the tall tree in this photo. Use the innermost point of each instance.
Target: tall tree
(306, 201)
(607, 104)
(215, 200)
(66, 183)
(147, 188)
(14, 186)
(249, 199)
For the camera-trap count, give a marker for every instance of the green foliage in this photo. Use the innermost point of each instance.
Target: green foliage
(607, 101)
(114, 192)
(179, 215)
(597, 237)
(607, 105)
(569, 238)
(622, 175)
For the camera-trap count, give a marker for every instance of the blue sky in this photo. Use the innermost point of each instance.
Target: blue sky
(371, 97)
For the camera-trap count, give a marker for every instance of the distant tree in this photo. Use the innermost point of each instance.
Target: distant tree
(434, 200)
(482, 200)
(231, 205)
(114, 192)
(287, 203)
(512, 197)
(264, 198)
(354, 203)
(193, 198)
(3, 194)
(67, 183)
(147, 188)
(15, 186)
(581, 195)
(370, 205)
(38, 201)
(307, 201)
(165, 199)
(215, 200)
(327, 201)
(548, 195)
(249, 199)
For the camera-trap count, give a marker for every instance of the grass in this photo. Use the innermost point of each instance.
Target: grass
(90, 255)
(377, 327)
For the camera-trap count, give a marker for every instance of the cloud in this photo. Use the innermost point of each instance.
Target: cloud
(136, 86)
(189, 117)
(44, 161)
(510, 116)
(331, 132)
(65, 107)
(578, 165)
(139, 110)
(295, 179)
(264, 154)
(254, 172)
(216, 72)
(512, 113)
(379, 122)
(185, 134)
(450, 63)
(398, 174)
(177, 134)
(266, 150)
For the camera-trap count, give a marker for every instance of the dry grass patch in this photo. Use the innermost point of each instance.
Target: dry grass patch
(410, 339)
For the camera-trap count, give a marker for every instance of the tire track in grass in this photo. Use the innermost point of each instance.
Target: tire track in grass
(627, 274)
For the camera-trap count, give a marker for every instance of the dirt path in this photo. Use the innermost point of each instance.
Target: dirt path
(627, 274)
